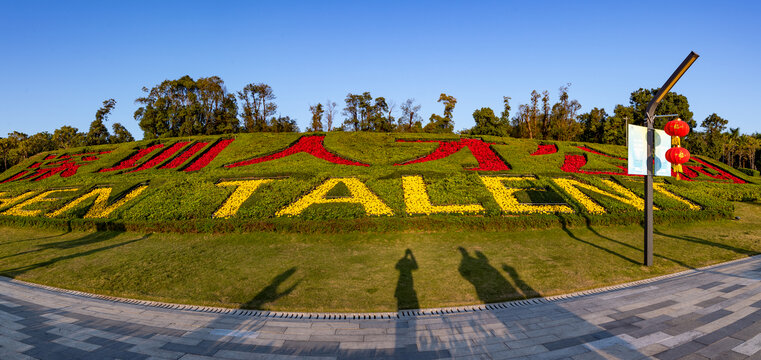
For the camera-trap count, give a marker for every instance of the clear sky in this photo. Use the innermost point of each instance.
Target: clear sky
(60, 60)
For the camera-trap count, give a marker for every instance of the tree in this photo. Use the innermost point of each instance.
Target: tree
(504, 117)
(593, 123)
(380, 118)
(283, 124)
(672, 103)
(714, 126)
(98, 133)
(330, 113)
(317, 112)
(7, 145)
(487, 123)
(442, 124)
(614, 130)
(357, 109)
(258, 106)
(546, 115)
(68, 137)
(185, 107)
(36, 144)
(563, 118)
(410, 119)
(121, 134)
(18, 138)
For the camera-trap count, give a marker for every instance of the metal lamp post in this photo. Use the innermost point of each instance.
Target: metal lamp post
(650, 113)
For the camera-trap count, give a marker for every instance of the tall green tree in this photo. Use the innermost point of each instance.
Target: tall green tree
(258, 106)
(185, 107)
(67, 137)
(672, 103)
(317, 112)
(565, 125)
(442, 124)
(36, 144)
(504, 117)
(98, 133)
(357, 110)
(283, 124)
(410, 121)
(593, 123)
(487, 123)
(121, 134)
(380, 118)
(7, 146)
(714, 126)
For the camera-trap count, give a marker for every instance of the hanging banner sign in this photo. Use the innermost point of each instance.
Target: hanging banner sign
(636, 143)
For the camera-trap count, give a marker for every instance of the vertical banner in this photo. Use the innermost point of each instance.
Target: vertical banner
(662, 167)
(636, 143)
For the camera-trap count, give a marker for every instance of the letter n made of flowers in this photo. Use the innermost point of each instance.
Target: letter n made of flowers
(572, 187)
(101, 208)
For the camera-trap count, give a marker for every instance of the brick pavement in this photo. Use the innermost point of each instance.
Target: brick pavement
(712, 313)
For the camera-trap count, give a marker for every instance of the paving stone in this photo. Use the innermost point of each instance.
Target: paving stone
(711, 313)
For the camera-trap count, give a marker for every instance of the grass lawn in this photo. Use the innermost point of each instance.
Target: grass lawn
(365, 272)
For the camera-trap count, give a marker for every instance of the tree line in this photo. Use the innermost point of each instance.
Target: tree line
(186, 107)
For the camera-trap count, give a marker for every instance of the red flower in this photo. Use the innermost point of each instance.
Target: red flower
(132, 161)
(544, 149)
(185, 155)
(487, 159)
(574, 163)
(310, 144)
(209, 155)
(162, 156)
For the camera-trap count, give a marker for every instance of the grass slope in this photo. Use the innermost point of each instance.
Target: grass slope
(365, 272)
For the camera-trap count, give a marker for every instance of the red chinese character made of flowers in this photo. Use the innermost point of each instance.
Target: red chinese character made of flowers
(64, 165)
(487, 159)
(310, 144)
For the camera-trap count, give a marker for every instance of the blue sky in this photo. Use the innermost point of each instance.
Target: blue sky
(62, 59)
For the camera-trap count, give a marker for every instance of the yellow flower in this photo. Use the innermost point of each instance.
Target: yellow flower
(360, 194)
(416, 200)
(243, 191)
(662, 189)
(19, 210)
(509, 204)
(627, 196)
(13, 199)
(100, 209)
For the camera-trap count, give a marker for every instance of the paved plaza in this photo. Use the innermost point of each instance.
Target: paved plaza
(712, 313)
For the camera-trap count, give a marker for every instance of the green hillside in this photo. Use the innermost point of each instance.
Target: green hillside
(337, 182)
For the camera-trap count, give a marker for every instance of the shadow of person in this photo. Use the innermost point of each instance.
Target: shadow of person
(526, 289)
(406, 297)
(489, 283)
(270, 292)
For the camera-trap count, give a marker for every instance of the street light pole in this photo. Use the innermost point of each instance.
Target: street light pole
(650, 115)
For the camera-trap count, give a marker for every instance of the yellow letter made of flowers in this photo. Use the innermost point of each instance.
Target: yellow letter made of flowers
(13, 199)
(360, 194)
(243, 191)
(627, 196)
(19, 210)
(417, 201)
(509, 204)
(100, 209)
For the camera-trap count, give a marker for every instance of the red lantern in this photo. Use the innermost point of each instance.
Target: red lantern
(677, 127)
(677, 155)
